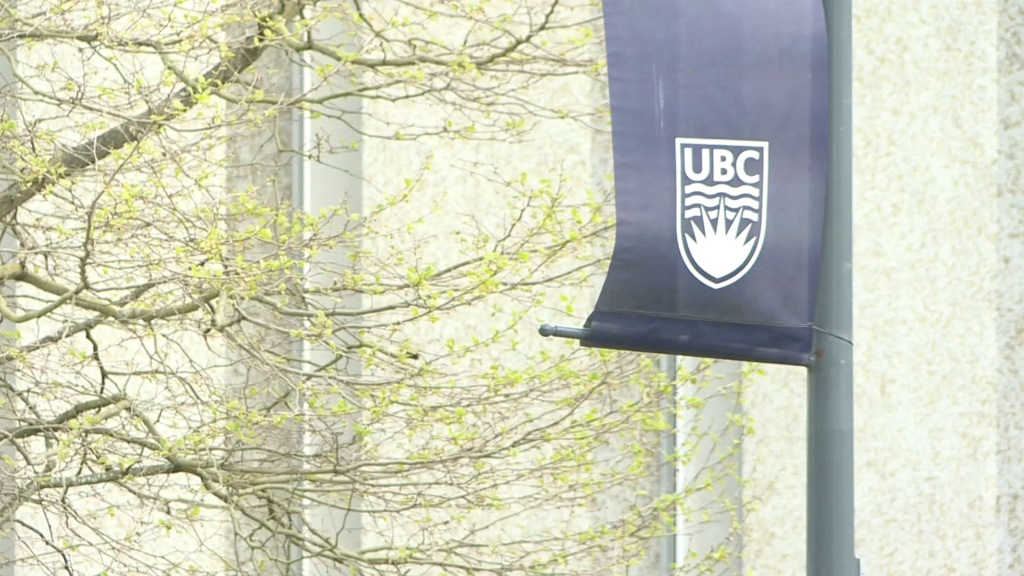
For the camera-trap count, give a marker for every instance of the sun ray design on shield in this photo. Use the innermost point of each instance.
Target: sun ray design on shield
(716, 249)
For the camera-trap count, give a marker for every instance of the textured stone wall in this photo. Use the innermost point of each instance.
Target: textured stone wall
(1010, 322)
(938, 303)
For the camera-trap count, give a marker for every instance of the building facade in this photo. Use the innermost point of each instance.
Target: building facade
(939, 294)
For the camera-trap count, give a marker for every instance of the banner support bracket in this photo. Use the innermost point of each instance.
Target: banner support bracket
(557, 330)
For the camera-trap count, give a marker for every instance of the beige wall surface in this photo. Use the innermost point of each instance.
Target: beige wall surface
(938, 305)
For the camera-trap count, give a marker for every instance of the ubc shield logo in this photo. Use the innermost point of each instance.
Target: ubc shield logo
(721, 207)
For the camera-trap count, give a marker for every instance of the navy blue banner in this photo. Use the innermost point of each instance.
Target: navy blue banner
(720, 139)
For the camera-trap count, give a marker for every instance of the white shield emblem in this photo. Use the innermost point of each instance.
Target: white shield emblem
(721, 207)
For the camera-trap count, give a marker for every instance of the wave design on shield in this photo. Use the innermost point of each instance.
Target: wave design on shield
(720, 228)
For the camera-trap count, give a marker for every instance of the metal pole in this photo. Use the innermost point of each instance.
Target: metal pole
(300, 347)
(668, 366)
(830, 550)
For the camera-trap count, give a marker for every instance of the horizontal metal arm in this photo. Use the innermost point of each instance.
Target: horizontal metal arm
(573, 332)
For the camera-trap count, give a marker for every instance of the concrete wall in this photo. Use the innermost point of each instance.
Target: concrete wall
(938, 305)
